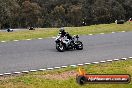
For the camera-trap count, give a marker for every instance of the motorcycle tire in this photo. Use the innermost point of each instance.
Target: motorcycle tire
(79, 45)
(60, 47)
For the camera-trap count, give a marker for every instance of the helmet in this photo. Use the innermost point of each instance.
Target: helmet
(61, 29)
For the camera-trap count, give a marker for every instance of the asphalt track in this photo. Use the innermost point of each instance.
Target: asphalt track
(37, 54)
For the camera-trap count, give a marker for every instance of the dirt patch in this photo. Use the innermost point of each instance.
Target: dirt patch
(7, 77)
(59, 76)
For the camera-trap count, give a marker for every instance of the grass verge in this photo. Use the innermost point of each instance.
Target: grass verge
(65, 78)
(50, 32)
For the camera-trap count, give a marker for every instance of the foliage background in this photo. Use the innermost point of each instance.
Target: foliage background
(57, 13)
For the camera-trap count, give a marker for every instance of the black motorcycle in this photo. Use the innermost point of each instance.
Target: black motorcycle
(9, 30)
(62, 43)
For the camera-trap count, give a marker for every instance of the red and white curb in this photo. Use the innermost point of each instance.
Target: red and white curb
(64, 66)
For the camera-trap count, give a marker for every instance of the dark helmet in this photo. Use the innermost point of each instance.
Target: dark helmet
(62, 29)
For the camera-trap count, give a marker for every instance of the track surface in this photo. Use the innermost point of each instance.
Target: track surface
(37, 54)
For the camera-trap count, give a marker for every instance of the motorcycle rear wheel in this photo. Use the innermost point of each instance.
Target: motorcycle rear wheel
(79, 45)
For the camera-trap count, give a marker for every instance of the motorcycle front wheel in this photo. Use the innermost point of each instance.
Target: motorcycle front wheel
(60, 47)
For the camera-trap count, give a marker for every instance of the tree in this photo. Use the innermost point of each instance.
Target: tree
(30, 13)
(58, 15)
(8, 9)
(107, 11)
(75, 15)
(128, 7)
(50, 13)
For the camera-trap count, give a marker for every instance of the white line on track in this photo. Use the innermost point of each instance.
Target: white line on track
(3, 41)
(90, 34)
(87, 63)
(50, 68)
(40, 38)
(57, 67)
(73, 65)
(123, 58)
(25, 71)
(28, 39)
(15, 40)
(17, 72)
(42, 69)
(64, 66)
(7, 73)
(109, 60)
(116, 59)
(80, 64)
(33, 70)
(102, 61)
(130, 57)
(95, 62)
(102, 33)
(1, 74)
(113, 32)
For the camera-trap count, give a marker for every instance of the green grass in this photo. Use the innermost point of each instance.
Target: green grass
(50, 32)
(32, 80)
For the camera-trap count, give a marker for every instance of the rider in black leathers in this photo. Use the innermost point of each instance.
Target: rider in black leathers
(63, 33)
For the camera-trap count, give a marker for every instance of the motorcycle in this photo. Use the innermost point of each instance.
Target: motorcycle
(9, 30)
(62, 43)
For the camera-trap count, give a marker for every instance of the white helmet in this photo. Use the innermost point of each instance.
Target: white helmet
(61, 29)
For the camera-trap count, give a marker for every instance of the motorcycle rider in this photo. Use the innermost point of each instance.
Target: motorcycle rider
(67, 35)
(63, 33)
